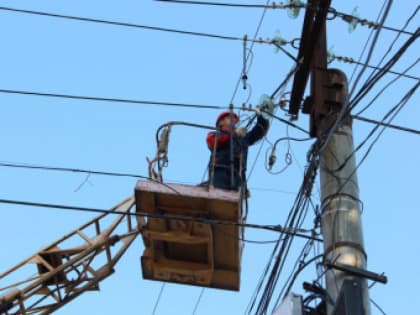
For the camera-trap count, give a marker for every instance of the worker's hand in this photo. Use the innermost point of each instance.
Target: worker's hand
(241, 132)
(266, 107)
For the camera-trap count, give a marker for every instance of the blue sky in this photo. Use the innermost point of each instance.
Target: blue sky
(51, 55)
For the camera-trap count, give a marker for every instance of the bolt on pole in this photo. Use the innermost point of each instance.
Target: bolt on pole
(341, 207)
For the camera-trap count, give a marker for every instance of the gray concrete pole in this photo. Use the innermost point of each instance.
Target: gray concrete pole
(341, 213)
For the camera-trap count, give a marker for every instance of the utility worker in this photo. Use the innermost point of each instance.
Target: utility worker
(219, 143)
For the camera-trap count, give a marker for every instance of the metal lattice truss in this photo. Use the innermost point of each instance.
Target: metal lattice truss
(68, 267)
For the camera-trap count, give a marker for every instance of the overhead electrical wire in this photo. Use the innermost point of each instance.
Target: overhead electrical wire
(365, 46)
(393, 112)
(71, 170)
(334, 13)
(372, 47)
(107, 99)
(261, 298)
(368, 85)
(397, 37)
(388, 125)
(132, 25)
(121, 174)
(350, 60)
(273, 228)
(373, 80)
(385, 87)
(377, 306)
(158, 298)
(132, 101)
(198, 301)
(248, 54)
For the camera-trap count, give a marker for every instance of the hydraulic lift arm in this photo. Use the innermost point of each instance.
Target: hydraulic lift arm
(72, 265)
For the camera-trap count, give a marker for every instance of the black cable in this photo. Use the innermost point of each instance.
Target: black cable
(383, 89)
(118, 100)
(377, 306)
(208, 3)
(289, 123)
(280, 252)
(380, 123)
(363, 22)
(334, 13)
(250, 52)
(112, 100)
(372, 47)
(397, 37)
(198, 301)
(72, 170)
(352, 61)
(368, 85)
(394, 111)
(132, 25)
(285, 81)
(85, 171)
(158, 298)
(377, 76)
(292, 280)
(273, 228)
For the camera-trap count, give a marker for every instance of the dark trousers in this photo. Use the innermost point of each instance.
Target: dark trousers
(221, 179)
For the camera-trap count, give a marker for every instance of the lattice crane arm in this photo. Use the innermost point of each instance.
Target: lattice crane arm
(72, 265)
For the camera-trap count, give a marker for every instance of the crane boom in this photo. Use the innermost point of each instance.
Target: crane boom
(72, 265)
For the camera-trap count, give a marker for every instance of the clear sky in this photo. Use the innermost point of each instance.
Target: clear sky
(52, 55)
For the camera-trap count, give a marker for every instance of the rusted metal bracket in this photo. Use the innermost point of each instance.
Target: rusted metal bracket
(312, 54)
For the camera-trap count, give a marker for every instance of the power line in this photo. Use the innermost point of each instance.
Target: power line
(112, 100)
(391, 115)
(132, 25)
(387, 9)
(85, 171)
(364, 22)
(158, 298)
(381, 123)
(198, 301)
(350, 60)
(131, 101)
(370, 83)
(274, 228)
(72, 170)
(245, 70)
(348, 18)
(223, 4)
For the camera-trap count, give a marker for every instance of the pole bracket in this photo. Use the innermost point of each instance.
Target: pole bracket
(358, 272)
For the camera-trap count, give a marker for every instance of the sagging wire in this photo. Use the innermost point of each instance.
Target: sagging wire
(333, 57)
(272, 158)
(162, 141)
(353, 20)
(161, 157)
(293, 8)
(387, 9)
(277, 260)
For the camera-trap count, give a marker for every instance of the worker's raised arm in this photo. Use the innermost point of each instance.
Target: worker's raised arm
(257, 132)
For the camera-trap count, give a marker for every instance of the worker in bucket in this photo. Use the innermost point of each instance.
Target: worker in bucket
(229, 151)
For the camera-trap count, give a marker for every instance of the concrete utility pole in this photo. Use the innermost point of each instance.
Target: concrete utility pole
(344, 254)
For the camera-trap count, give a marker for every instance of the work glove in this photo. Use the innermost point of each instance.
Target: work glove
(241, 132)
(266, 107)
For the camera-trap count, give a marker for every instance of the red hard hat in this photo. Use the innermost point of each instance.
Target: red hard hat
(224, 114)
